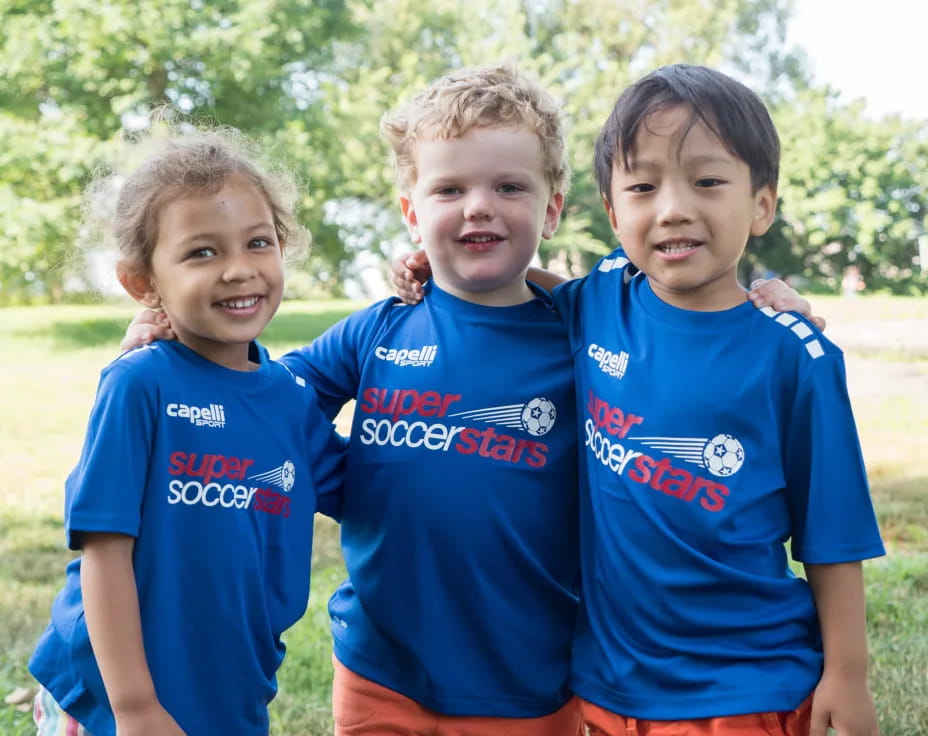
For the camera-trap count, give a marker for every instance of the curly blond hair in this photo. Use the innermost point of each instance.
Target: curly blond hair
(491, 95)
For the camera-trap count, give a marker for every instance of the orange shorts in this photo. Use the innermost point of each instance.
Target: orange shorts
(602, 722)
(361, 707)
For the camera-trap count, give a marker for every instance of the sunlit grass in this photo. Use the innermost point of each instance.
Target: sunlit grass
(51, 360)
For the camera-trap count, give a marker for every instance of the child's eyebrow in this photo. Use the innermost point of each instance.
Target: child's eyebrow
(701, 159)
(632, 163)
(258, 226)
(712, 159)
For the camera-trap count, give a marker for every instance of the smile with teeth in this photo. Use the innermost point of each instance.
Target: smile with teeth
(242, 303)
(678, 247)
(480, 238)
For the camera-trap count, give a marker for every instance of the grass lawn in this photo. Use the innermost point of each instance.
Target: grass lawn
(51, 360)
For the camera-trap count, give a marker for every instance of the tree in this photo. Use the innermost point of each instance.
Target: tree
(311, 81)
(76, 72)
(852, 193)
(584, 51)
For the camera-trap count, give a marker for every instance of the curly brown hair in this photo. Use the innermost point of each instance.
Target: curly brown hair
(182, 164)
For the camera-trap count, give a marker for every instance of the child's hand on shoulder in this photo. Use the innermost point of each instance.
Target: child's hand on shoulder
(408, 273)
(149, 325)
(844, 704)
(782, 297)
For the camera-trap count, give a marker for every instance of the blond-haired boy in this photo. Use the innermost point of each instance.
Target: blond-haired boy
(459, 528)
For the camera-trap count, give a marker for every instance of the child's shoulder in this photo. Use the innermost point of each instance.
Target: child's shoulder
(616, 264)
(284, 377)
(137, 376)
(611, 273)
(142, 360)
(792, 333)
(384, 311)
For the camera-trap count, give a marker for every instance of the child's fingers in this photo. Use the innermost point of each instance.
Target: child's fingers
(818, 322)
(410, 292)
(148, 316)
(819, 722)
(142, 333)
(417, 260)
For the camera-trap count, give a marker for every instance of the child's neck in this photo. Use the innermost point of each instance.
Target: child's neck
(234, 356)
(517, 292)
(708, 298)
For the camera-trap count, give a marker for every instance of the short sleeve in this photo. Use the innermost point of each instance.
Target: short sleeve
(567, 303)
(104, 492)
(568, 297)
(331, 364)
(326, 452)
(828, 494)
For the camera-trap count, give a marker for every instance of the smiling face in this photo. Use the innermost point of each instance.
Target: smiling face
(480, 206)
(216, 270)
(683, 213)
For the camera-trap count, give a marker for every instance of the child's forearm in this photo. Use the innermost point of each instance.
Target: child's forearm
(111, 608)
(839, 597)
(545, 279)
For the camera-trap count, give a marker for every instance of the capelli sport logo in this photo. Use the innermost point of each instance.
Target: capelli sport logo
(611, 363)
(213, 415)
(410, 357)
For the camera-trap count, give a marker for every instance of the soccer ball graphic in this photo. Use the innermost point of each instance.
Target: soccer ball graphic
(723, 455)
(538, 416)
(287, 475)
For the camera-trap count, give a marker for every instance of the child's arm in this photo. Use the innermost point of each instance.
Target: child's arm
(409, 272)
(111, 608)
(545, 279)
(842, 698)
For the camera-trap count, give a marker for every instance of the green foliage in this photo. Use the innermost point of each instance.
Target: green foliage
(852, 192)
(74, 72)
(311, 81)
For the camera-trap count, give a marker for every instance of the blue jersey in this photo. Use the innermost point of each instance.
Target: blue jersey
(710, 439)
(459, 527)
(217, 474)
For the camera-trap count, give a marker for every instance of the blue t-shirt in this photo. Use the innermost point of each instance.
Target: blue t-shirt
(217, 474)
(710, 439)
(459, 527)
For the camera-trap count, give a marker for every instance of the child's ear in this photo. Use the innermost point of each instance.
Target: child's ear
(765, 207)
(409, 216)
(138, 283)
(610, 212)
(552, 215)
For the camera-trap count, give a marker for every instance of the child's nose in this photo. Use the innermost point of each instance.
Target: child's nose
(673, 205)
(238, 268)
(478, 206)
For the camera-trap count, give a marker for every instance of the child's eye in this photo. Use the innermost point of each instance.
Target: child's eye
(709, 181)
(203, 252)
(510, 188)
(641, 188)
(448, 191)
(258, 243)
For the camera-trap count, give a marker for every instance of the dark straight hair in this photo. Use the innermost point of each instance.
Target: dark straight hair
(732, 111)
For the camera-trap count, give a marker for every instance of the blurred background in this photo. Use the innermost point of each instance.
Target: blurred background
(310, 79)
